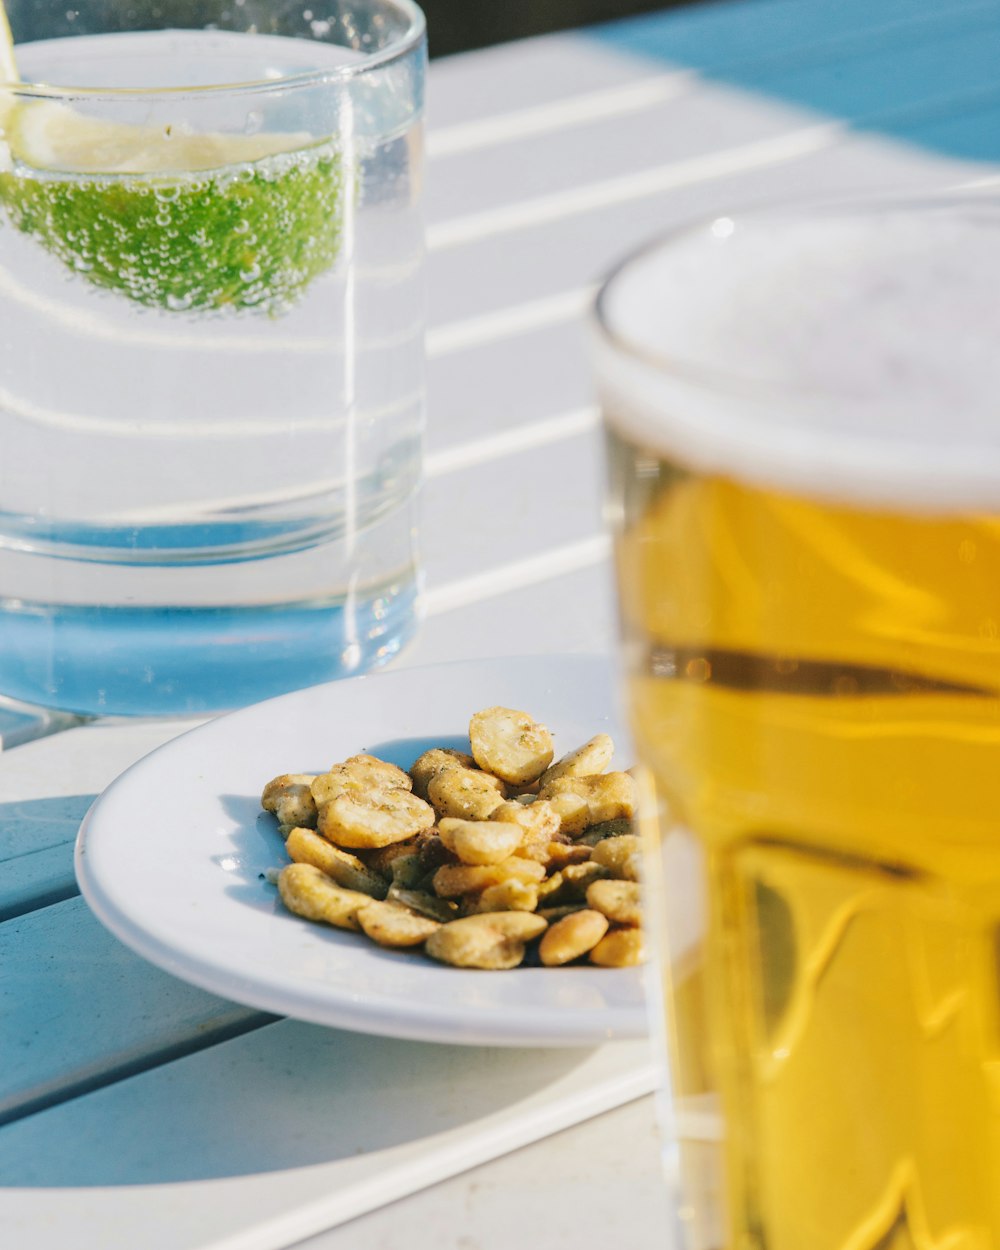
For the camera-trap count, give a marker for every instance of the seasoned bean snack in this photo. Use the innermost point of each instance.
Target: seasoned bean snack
(481, 860)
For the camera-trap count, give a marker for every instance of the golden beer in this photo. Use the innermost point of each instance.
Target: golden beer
(814, 683)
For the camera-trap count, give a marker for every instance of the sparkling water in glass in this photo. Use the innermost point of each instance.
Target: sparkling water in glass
(211, 350)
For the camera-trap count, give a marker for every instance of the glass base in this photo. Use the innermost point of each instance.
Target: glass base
(170, 661)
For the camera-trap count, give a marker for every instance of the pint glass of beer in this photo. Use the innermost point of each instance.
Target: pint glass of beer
(804, 430)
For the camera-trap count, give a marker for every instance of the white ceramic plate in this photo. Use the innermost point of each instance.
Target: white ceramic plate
(171, 857)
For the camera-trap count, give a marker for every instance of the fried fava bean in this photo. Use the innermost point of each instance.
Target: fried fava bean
(373, 820)
(304, 846)
(552, 914)
(537, 817)
(492, 941)
(606, 829)
(539, 821)
(380, 773)
(361, 774)
(392, 925)
(280, 785)
(480, 841)
(593, 757)
(572, 936)
(618, 900)
(580, 877)
(454, 880)
(289, 797)
(609, 796)
(425, 903)
(470, 856)
(381, 858)
(563, 854)
(309, 892)
(573, 811)
(408, 871)
(511, 895)
(510, 744)
(338, 780)
(425, 766)
(465, 793)
(548, 890)
(621, 856)
(518, 924)
(427, 845)
(619, 948)
(433, 852)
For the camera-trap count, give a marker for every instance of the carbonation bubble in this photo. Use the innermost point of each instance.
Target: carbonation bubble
(249, 235)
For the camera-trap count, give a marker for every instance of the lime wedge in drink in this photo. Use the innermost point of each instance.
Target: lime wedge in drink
(170, 218)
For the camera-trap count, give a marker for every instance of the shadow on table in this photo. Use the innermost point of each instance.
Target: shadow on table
(286, 1096)
(36, 851)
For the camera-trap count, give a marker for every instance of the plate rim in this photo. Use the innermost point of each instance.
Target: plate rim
(439, 1022)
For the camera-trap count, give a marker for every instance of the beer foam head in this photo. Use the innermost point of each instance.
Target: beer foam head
(851, 353)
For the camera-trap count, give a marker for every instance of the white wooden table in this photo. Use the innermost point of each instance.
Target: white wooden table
(136, 1111)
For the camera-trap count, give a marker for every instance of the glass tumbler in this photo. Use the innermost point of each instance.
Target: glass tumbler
(211, 348)
(805, 468)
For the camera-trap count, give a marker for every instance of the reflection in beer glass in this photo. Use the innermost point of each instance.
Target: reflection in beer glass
(805, 480)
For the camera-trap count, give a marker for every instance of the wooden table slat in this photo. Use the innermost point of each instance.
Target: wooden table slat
(288, 1130)
(46, 787)
(719, 37)
(79, 1010)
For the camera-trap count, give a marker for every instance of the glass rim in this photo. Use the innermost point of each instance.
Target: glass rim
(792, 207)
(722, 421)
(399, 47)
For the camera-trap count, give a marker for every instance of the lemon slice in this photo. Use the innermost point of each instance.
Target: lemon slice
(8, 61)
(48, 136)
(168, 217)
